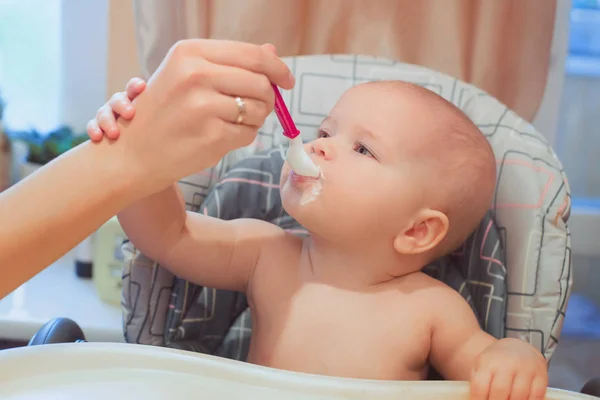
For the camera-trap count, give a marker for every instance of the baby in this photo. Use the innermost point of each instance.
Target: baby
(407, 178)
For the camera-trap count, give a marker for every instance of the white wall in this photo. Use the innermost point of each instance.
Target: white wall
(30, 63)
(84, 39)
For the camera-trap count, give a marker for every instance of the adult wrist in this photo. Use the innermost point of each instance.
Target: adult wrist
(117, 173)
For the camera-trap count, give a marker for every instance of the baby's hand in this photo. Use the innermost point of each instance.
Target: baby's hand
(509, 369)
(119, 105)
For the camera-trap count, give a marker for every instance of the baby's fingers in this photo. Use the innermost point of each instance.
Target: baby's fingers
(538, 388)
(501, 385)
(134, 87)
(93, 131)
(521, 387)
(107, 122)
(480, 385)
(121, 105)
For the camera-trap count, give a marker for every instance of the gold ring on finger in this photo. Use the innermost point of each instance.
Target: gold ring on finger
(241, 106)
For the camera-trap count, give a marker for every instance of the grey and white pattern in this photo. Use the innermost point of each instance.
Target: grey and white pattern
(515, 270)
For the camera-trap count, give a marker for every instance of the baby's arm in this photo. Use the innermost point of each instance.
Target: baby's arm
(456, 338)
(460, 350)
(204, 250)
(201, 249)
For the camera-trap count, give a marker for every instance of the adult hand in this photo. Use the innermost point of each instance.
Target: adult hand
(186, 118)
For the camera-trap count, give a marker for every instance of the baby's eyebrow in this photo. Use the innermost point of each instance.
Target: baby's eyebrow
(330, 122)
(361, 129)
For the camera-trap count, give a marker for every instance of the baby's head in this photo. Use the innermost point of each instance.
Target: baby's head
(405, 171)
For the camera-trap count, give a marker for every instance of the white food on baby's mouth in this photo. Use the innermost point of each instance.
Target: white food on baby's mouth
(299, 161)
(311, 193)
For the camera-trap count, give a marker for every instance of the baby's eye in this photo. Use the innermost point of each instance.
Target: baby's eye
(322, 134)
(362, 149)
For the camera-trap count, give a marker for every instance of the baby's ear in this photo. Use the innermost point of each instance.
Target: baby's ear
(427, 230)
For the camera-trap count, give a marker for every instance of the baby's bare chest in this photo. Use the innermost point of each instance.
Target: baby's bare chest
(321, 329)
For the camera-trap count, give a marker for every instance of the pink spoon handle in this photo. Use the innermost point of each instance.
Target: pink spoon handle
(285, 119)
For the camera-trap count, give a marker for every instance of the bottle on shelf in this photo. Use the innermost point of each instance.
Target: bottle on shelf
(108, 261)
(6, 156)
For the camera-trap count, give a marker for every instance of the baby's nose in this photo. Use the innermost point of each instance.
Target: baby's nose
(322, 148)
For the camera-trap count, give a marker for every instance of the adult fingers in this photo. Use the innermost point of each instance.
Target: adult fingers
(134, 87)
(107, 122)
(235, 82)
(269, 47)
(238, 54)
(253, 112)
(238, 135)
(121, 105)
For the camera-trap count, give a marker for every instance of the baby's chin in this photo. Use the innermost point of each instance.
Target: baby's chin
(300, 202)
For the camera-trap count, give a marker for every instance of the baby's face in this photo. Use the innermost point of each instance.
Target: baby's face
(371, 186)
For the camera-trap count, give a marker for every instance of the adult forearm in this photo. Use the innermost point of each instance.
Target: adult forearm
(51, 211)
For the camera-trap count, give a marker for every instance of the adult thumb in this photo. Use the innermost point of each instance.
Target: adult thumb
(270, 47)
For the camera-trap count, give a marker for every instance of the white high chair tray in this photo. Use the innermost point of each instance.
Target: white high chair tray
(125, 371)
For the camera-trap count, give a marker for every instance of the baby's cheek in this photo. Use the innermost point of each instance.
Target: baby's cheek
(285, 173)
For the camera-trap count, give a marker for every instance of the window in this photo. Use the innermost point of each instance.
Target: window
(30, 63)
(52, 62)
(578, 147)
(577, 141)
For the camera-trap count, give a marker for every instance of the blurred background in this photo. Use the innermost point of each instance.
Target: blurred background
(61, 59)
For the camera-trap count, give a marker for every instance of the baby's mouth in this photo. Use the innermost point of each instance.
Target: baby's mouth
(301, 178)
(309, 186)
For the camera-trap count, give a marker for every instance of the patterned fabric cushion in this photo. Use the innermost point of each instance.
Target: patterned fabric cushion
(529, 214)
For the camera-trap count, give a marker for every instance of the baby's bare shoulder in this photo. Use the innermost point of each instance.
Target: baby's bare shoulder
(422, 284)
(279, 248)
(430, 292)
(279, 242)
(442, 304)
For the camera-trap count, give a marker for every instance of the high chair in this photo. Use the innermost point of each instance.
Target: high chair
(514, 270)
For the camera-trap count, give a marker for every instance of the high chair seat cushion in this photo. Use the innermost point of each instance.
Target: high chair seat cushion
(529, 257)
